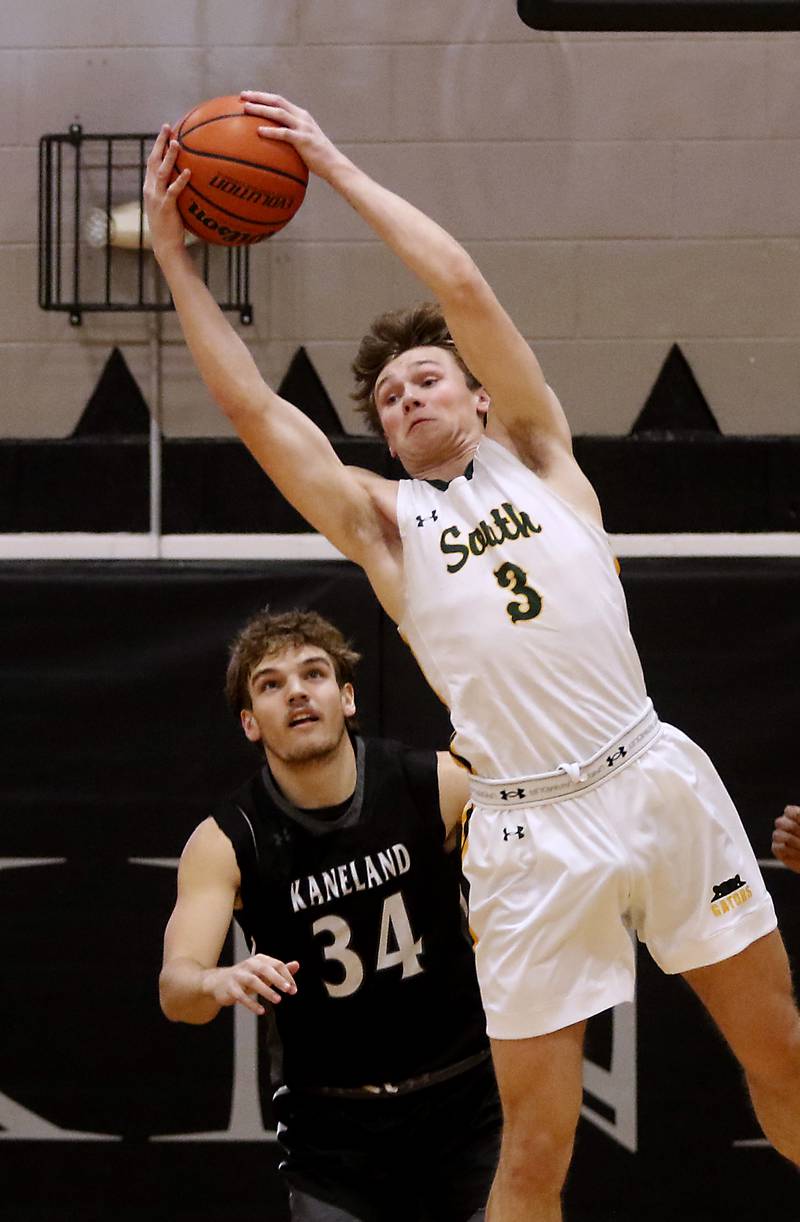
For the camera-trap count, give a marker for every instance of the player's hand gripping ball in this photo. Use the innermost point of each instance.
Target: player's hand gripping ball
(243, 188)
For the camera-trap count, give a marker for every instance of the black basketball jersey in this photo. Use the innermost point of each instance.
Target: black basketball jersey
(368, 902)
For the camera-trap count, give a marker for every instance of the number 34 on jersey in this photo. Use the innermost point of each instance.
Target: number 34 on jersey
(396, 947)
(396, 944)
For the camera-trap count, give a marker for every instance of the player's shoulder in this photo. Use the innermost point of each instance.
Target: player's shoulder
(239, 811)
(395, 768)
(243, 797)
(382, 749)
(207, 852)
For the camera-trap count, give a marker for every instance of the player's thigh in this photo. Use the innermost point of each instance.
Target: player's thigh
(751, 1000)
(540, 1080)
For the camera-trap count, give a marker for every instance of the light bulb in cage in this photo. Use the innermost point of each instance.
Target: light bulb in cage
(122, 227)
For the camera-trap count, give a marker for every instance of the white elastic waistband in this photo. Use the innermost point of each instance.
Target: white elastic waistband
(569, 779)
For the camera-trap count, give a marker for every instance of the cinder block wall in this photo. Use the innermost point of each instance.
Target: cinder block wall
(621, 191)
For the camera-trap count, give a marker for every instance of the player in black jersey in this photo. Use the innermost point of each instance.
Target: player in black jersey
(337, 859)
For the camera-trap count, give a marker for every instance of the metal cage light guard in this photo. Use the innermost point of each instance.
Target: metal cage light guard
(65, 162)
(95, 178)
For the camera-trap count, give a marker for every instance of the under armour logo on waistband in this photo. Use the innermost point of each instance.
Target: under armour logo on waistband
(432, 517)
(508, 794)
(620, 753)
(508, 832)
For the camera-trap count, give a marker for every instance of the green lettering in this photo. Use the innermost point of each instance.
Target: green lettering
(489, 535)
(454, 549)
(477, 542)
(502, 521)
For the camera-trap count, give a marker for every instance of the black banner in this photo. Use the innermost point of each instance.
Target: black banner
(117, 742)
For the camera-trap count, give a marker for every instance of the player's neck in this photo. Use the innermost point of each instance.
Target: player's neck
(446, 467)
(323, 781)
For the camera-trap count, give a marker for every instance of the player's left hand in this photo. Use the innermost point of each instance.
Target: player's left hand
(297, 127)
(160, 194)
(786, 838)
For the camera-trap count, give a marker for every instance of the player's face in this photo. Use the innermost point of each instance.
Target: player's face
(297, 709)
(426, 408)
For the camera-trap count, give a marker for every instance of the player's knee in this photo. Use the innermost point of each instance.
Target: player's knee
(776, 1060)
(536, 1161)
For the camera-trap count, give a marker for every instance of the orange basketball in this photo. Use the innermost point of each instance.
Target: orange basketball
(243, 188)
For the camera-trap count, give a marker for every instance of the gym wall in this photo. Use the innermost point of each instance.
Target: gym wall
(623, 192)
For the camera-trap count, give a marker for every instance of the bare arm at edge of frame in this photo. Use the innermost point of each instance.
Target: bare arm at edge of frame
(786, 838)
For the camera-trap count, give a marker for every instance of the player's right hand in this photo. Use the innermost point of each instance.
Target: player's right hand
(786, 838)
(245, 982)
(166, 226)
(296, 126)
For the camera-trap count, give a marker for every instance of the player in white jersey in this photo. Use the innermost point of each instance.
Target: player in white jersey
(588, 816)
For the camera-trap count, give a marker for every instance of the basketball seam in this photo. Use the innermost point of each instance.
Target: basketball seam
(253, 165)
(243, 220)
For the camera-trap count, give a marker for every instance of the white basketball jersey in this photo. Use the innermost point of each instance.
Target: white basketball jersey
(516, 614)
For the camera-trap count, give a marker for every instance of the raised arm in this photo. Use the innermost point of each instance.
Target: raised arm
(192, 988)
(487, 339)
(295, 454)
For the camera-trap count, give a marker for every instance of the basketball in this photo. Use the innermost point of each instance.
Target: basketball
(243, 188)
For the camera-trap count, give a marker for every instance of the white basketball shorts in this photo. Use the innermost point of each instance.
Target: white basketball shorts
(654, 845)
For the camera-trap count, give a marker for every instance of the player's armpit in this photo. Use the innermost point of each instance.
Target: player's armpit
(300, 460)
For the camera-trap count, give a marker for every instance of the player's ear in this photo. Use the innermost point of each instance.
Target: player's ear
(348, 700)
(250, 726)
(483, 402)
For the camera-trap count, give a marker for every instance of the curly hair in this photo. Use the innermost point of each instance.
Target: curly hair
(266, 633)
(420, 326)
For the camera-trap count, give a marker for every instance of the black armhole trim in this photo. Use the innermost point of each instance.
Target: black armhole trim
(248, 821)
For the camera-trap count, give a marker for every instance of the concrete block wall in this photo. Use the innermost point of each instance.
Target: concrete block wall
(622, 192)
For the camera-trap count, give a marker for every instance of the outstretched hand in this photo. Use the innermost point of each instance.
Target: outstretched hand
(258, 976)
(160, 194)
(297, 127)
(786, 838)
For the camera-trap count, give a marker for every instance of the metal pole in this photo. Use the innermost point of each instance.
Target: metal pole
(156, 413)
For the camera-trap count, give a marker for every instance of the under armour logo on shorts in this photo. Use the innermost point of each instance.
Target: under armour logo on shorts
(508, 832)
(432, 517)
(508, 794)
(620, 753)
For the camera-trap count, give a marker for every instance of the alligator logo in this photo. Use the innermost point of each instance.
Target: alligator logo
(730, 895)
(730, 885)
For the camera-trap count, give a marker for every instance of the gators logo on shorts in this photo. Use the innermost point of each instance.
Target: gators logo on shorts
(729, 895)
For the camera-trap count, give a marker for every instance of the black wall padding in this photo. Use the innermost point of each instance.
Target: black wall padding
(117, 741)
(666, 483)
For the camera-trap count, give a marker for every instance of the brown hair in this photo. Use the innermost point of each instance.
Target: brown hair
(266, 633)
(420, 326)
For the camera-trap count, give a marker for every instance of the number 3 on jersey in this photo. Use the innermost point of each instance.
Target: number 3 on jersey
(396, 946)
(512, 575)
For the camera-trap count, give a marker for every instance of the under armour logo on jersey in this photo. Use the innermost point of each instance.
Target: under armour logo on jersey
(517, 831)
(619, 754)
(433, 516)
(508, 794)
